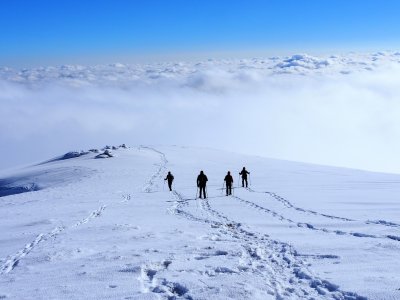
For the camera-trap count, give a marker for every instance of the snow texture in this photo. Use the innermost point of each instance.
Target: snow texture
(110, 229)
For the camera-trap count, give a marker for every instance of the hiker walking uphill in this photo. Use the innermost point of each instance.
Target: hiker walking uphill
(244, 173)
(201, 184)
(170, 179)
(228, 182)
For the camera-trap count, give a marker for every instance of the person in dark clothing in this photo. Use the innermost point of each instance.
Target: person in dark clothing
(170, 178)
(244, 173)
(228, 182)
(201, 184)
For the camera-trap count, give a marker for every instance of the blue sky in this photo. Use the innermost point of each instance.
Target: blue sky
(44, 31)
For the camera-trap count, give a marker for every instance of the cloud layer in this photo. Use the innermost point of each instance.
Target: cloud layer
(338, 110)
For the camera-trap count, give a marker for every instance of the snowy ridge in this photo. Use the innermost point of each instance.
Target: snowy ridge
(128, 237)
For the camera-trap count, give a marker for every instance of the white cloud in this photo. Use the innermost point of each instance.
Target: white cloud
(338, 110)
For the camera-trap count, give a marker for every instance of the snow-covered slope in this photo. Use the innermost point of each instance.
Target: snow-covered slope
(109, 229)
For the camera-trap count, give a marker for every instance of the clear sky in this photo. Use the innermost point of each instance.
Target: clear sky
(48, 31)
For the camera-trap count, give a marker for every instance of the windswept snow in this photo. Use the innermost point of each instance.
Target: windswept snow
(113, 231)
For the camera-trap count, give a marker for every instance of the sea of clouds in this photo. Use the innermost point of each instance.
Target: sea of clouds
(339, 110)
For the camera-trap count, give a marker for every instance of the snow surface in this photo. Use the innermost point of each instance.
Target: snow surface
(109, 229)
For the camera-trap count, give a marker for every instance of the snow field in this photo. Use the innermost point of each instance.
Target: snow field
(114, 231)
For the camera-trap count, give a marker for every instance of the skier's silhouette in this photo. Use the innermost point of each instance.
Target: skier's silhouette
(170, 178)
(201, 184)
(228, 182)
(244, 173)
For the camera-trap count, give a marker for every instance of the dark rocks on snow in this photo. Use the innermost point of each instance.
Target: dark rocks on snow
(73, 154)
(107, 147)
(105, 154)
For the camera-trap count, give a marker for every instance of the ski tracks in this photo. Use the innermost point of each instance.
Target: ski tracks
(94, 214)
(313, 227)
(151, 184)
(12, 261)
(276, 262)
(288, 204)
(384, 223)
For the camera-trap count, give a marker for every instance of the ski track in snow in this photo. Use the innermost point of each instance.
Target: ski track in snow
(276, 262)
(383, 222)
(151, 184)
(94, 214)
(288, 204)
(283, 256)
(148, 281)
(12, 261)
(310, 226)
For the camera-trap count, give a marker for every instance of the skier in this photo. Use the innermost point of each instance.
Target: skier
(228, 182)
(244, 173)
(201, 183)
(170, 178)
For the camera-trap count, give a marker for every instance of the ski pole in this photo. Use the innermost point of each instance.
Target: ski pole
(250, 179)
(206, 193)
(222, 190)
(197, 191)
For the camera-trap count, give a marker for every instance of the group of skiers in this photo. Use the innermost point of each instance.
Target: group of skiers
(202, 182)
